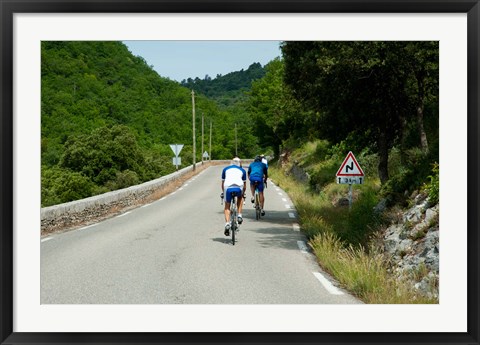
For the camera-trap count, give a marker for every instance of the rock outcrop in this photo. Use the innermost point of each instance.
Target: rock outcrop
(412, 246)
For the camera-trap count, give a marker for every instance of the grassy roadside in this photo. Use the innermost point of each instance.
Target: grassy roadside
(342, 239)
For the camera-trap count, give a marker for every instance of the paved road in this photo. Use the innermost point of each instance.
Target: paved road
(173, 251)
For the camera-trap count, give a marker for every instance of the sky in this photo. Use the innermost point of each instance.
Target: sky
(180, 60)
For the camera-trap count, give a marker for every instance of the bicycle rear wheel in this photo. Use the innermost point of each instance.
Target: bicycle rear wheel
(257, 206)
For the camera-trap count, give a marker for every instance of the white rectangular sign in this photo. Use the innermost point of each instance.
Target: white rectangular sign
(350, 180)
(177, 161)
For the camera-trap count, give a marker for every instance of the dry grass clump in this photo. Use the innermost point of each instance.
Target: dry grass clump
(363, 273)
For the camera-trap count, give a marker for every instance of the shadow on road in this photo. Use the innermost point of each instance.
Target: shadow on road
(272, 217)
(274, 230)
(279, 237)
(223, 240)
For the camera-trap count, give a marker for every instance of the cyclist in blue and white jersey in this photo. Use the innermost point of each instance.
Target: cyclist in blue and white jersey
(258, 172)
(234, 179)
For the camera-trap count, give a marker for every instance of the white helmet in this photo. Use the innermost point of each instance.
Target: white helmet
(236, 161)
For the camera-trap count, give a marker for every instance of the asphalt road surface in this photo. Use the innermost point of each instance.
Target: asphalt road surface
(173, 251)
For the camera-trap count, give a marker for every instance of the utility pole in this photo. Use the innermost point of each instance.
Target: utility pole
(193, 127)
(202, 138)
(210, 155)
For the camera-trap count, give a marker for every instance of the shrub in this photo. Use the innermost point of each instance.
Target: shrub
(323, 174)
(362, 219)
(408, 178)
(63, 185)
(433, 187)
(315, 225)
(104, 152)
(126, 178)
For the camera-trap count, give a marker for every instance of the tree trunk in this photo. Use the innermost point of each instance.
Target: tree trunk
(383, 156)
(420, 107)
(403, 134)
(421, 130)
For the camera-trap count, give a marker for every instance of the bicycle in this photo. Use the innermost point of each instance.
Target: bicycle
(234, 226)
(258, 210)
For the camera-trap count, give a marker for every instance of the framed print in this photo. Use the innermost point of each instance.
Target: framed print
(26, 25)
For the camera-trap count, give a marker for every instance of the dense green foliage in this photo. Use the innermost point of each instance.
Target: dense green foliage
(228, 89)
(277, 114)
(108, 120)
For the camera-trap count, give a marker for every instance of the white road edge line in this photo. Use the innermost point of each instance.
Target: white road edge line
(327, 284)
(46, 239)
(303, 247)
(296, 227)
(284, 200)
(88, 226)
(291, 214)
(287, 206)
(124, 214)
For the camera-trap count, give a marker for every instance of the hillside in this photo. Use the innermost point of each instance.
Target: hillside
(108, 120)
(227, 89)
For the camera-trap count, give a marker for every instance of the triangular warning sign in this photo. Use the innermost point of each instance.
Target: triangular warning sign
(350, 167)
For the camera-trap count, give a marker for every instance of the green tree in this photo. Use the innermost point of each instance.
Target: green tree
(277, 114)
(104, 153)
(422, 60)
(63, 185)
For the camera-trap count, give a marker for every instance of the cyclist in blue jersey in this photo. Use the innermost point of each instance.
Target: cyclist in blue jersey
(258, 172)
(234, 179)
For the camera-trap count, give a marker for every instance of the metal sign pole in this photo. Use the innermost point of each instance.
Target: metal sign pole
(176, 156)
(350, 196)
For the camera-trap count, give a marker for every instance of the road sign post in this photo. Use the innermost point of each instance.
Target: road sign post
(350, 173)
(176, 148)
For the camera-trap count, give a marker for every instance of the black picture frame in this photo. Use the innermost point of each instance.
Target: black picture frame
(9, 7)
